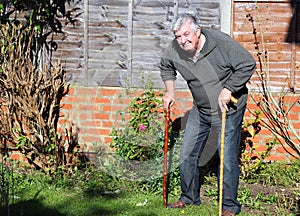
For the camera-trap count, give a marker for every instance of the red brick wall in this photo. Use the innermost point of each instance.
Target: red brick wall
(93, 112)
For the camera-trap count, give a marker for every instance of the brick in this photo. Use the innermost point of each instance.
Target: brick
(60, 130)
(80, 100)
(109, 92)
(122, 101)
(84, 116)
(265, 132)
(183, 94)
(257, 140)
(90, 123)
(252, 107)
(67, 106)
(296, 108)
(188, 104)
(86, 91)
(260, 148)
(105, 131)
(71, 91)
(117, 124)
(107, 124)
(93, 131)
(96, 127)
(70, 99)
(88, 108)
(101, 116)
(296, 124)
(16, 156)
(175, 111)
(107, 108)
(101, 100)
(277, 157)
(107, 139)
(281, 149)
(90, 139)
(62, 121)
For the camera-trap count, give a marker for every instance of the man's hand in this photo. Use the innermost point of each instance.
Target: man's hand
(168, 99)
(224, 99)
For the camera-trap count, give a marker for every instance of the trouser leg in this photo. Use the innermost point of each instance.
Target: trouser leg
(231, 161)
(196, 134)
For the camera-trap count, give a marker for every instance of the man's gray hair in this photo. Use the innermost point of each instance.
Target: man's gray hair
(183, 18)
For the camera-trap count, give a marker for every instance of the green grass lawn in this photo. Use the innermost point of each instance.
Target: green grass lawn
(93, 193)
(49, 201)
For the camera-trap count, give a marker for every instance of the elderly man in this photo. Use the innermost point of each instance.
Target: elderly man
(215, 68)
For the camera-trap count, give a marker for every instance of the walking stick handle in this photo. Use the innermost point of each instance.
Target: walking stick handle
(233, 100)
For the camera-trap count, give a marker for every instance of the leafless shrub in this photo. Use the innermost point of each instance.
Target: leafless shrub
(276, 107)
(30, 101)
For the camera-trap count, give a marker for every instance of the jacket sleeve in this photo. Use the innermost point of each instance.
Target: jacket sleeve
(167, 69)
(243, 66)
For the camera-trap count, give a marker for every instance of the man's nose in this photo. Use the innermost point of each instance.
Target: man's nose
(183, 39)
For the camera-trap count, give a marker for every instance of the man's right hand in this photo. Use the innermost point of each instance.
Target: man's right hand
(168, 99)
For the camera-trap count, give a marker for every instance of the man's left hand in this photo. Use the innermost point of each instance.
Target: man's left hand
(224, 99)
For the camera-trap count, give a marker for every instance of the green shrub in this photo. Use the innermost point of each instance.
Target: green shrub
(138, 145)
(252, 162)
(142, 138)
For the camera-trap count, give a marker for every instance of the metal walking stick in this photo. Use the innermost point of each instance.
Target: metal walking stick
(234, 100)
(166, 141)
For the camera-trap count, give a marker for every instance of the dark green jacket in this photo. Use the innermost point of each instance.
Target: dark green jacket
(222, 63)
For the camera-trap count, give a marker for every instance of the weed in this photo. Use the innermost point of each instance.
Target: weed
(252, 161)
(244, 195)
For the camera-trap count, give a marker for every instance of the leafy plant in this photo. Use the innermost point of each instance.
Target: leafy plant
(142, 138)
(6, 186)
(281, 174)
(244, 195)
(252, 161)
(138, 142)
(45, 17)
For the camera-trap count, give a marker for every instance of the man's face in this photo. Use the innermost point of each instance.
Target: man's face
(186, 38)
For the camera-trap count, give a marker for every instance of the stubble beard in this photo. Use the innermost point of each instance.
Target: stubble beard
(187, 49)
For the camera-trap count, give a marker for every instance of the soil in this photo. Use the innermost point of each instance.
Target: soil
(287, 203)
(286, 200)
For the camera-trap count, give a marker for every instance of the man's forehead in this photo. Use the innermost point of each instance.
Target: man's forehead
(186, 26)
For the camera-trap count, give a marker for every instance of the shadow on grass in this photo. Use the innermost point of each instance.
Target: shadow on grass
(30, 207)
(35, 207)
(120, 203)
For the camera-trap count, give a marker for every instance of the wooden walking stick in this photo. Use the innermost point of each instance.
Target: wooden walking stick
(234, 100)
(222, 161)
(166, 141)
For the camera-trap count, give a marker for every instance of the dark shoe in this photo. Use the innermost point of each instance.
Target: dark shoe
(228, 213)
(178, 204)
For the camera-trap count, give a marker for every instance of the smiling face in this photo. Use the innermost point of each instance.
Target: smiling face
(188, 39)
